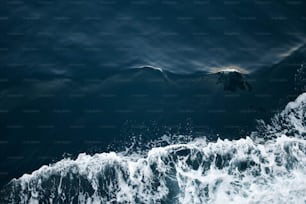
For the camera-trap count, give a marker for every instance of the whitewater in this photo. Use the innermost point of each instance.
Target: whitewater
(269, 166)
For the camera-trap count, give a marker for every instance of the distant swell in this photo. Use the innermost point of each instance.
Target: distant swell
(240, 171)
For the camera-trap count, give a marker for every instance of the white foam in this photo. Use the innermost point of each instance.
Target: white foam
(239, 171)
(291, 121)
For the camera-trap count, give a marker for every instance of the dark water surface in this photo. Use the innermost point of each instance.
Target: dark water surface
(98, 76)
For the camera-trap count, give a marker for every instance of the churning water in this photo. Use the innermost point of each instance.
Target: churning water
(267, 167)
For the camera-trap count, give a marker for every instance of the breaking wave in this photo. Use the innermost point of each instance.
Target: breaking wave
(249, 170)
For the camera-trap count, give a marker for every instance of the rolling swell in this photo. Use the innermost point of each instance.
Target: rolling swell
(248, 170)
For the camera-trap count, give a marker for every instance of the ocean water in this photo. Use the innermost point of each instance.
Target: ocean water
(152, 101)
(268, 166)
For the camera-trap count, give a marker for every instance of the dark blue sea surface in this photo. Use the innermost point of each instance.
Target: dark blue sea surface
(152, 101)
(172, 169)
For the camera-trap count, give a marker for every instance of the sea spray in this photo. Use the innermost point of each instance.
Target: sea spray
(247, 170)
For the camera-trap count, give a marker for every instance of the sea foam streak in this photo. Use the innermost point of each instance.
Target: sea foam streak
(240, 171)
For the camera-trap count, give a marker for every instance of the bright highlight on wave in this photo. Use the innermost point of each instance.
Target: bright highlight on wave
(247, 170)
(229, 69)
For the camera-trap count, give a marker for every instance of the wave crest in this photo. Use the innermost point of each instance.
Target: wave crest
(239, 171)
